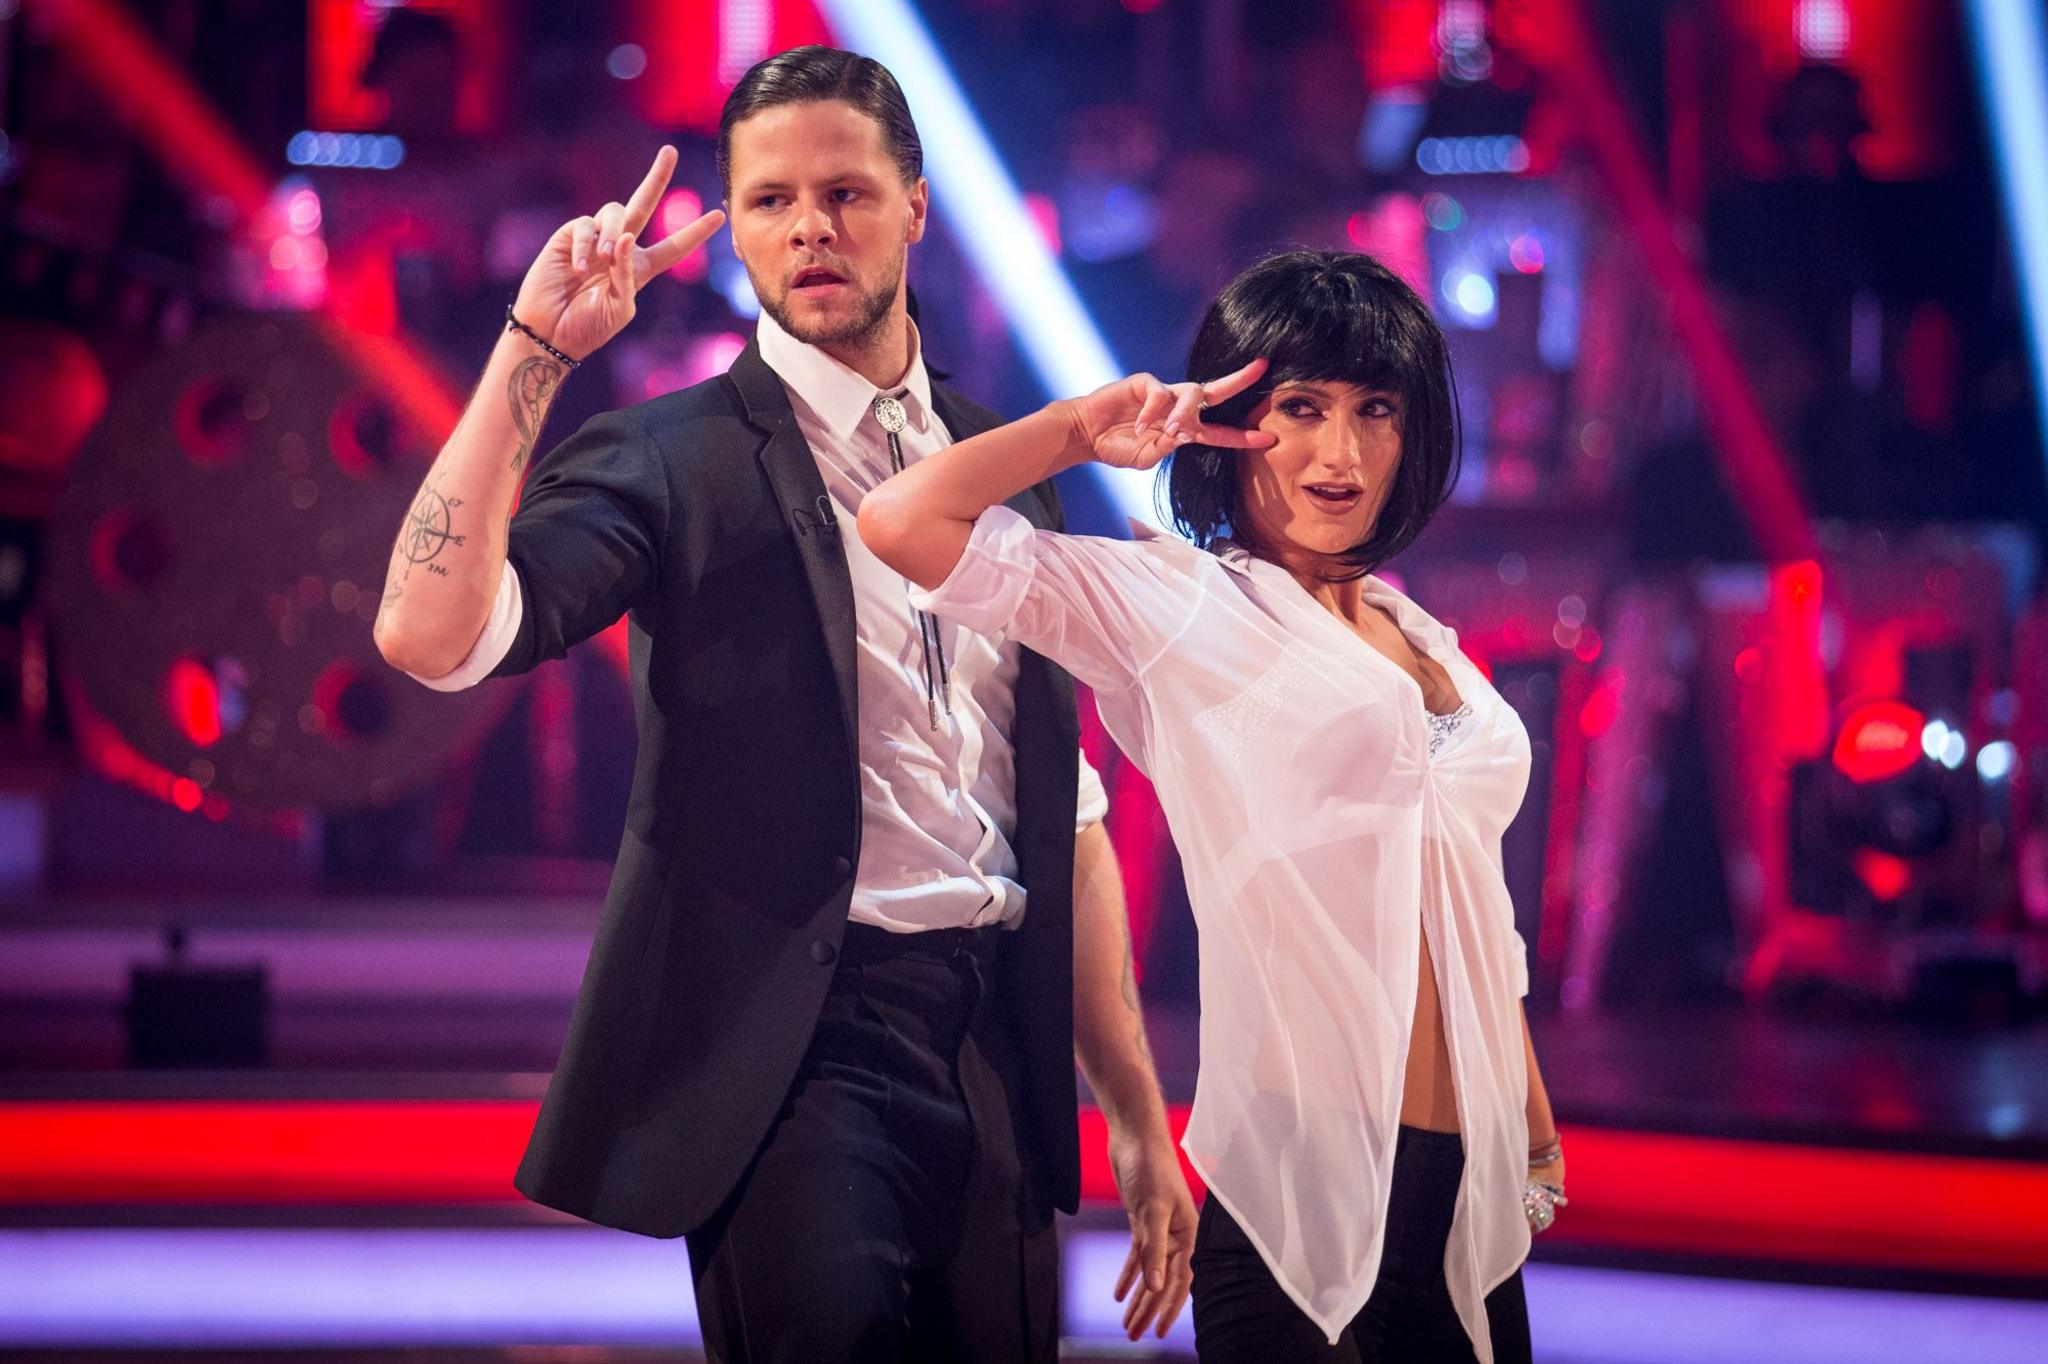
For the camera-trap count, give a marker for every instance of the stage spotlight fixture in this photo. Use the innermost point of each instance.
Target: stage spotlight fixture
(1898, 835)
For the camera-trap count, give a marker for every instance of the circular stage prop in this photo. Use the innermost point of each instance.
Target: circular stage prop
(216, 561)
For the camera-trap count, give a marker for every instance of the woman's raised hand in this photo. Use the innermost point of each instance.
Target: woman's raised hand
(1134, 423)
(579, 291)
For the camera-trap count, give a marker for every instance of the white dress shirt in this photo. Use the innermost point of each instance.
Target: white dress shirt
(1322, 840)
(938, 809)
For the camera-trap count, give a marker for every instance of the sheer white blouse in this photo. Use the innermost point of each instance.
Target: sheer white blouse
(1320, 838)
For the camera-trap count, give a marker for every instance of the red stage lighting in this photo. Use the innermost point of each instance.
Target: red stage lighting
(343, 33)
(1879, 741)
(193, 696)
(1887, 876)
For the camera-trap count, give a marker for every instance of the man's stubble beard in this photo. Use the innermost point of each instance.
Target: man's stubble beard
(867, 320)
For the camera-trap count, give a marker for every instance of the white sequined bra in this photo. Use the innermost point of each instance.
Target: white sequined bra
(1443, 727)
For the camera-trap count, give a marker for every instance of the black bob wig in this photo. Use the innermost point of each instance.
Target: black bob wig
(1338, 317)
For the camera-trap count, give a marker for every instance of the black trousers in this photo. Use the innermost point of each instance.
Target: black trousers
(1243, 1316)
(886, 1216)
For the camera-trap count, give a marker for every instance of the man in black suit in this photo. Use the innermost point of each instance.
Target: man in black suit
(853, 941)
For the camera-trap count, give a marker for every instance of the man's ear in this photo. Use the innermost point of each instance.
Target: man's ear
(920, 202)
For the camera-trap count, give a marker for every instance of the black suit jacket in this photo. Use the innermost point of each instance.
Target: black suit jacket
(702, 518)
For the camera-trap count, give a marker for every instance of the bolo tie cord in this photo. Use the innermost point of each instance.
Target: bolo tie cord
(938, 682)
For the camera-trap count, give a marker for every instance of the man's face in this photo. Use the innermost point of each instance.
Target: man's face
(821, 218)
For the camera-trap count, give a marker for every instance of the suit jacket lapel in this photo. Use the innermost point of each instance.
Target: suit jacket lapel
(792, 471)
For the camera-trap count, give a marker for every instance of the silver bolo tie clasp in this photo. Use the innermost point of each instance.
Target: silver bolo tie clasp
(889, 414)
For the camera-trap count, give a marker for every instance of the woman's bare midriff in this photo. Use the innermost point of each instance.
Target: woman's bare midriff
(1429, 1097)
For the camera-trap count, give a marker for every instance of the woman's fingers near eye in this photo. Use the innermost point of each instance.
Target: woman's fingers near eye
(1157, 398)
(1232, 438)
(1236, 382)
(1187, 413)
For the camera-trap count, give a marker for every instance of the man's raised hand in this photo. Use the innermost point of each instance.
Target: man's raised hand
(580, 291)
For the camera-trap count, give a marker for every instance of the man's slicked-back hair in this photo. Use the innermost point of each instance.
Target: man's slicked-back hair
(1338, 317)
(810, 75)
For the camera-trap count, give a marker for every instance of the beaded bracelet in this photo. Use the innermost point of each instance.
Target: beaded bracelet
(513, 324)
(1547, 1152)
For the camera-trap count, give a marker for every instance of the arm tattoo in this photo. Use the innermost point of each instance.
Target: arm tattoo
(532, 387)
(429, 529)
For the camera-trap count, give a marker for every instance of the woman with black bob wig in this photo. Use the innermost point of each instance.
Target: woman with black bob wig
(1369, 1117)
(1323, 316)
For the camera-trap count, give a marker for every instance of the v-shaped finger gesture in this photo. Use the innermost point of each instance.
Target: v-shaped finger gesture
(580, 291)
(1136, 422)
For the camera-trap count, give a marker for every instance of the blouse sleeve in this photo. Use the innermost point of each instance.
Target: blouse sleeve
(1105, 610)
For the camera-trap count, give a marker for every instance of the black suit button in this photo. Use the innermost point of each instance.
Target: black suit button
(823, 953)
(842, 867)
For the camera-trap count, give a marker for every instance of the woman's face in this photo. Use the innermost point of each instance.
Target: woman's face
(1318, 490)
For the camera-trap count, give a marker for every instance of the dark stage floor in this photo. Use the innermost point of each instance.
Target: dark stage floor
(454, 1007)
(417, 986)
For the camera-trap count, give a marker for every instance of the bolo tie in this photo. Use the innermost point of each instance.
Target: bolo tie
(890, 416)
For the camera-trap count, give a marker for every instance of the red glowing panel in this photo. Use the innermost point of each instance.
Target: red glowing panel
(1602, 708)
(1905, 56)
(1887, 876)
(1400, 41)
(1796, 676)
(1634, 1190)
(697, 52)
(1879, 741)
(1528, 28)
(341, 35)
(680, 88)
(798, 23)
(193, 696)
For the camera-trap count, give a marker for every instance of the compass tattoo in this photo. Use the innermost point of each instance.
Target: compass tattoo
(429, 527)
(532, 387)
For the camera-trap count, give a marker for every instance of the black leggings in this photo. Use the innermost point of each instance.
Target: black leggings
(1242, 1316)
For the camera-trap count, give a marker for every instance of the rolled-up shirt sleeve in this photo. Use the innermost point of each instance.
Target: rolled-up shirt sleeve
(1105, 610)
(492, 644)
